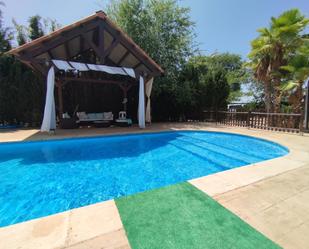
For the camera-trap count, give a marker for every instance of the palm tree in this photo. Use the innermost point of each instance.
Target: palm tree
(272, 49)
(260, 64)
(298, 69)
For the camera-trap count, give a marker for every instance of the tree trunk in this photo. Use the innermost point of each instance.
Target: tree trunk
(277, 100)
(296, 99)
(268, 102)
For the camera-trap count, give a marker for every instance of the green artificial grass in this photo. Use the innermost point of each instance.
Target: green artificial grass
(182, 217)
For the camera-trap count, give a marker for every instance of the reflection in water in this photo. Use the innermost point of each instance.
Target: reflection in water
(48, 154)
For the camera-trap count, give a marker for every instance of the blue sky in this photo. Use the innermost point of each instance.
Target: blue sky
(221, 25)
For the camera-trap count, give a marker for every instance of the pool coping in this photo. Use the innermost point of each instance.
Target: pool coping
(70, 228)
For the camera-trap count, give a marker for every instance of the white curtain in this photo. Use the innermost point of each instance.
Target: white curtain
(79, 66)
(112, 70)
(64, 65)
(49, 119)
(141, 104)
(129, 71)
(148, 93)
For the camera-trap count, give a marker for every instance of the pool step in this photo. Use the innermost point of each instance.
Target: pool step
(224, 159)
(229, 152)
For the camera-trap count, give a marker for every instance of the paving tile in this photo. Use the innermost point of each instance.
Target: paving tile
(265, 228)
(297, 238)
(94, 220)
(45, 233)
(276, 206)
(228, 180)
(274, 166)
(298, 204)
(112, 240)
(212, 184)
(281, 218)
(298, 155)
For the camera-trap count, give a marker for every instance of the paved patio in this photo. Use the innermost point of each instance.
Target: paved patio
(272, 196)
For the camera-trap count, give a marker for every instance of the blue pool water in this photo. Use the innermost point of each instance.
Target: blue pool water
(43, 178)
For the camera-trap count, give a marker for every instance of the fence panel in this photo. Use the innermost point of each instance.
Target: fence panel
(259, 120)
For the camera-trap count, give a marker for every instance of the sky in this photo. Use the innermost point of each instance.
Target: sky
(220, 25)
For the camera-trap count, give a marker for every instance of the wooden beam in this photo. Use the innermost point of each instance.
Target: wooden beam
(129, 44)
(123, 58)
(137, 65)
(35, 60)
(81, 44)
(43, 70)
(131, 47)
(64, 37)
(81, 48)
(36, 65)
(92, 45)
(108, 61)
(81, 54)
(50, 54)
(101, 43)
(125, 95)
(43, 47)
(67, 51)
(111, 47)
(89, 80)
(38, 70)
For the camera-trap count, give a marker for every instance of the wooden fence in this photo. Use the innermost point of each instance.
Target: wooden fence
(269, 121)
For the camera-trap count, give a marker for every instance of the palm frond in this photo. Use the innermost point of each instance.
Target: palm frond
(288, 68)
(288, 86)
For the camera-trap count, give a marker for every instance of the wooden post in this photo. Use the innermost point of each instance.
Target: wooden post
(248, 119)
(60, 99)
(101, 43)
(125, 90)
(216, 116)
(145, 98)
(301, 123)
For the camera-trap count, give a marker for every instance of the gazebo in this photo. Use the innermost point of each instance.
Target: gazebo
(92, 50)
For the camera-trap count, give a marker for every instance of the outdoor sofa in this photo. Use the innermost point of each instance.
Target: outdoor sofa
(92, 117)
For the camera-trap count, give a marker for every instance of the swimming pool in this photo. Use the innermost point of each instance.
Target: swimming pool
(43, 178)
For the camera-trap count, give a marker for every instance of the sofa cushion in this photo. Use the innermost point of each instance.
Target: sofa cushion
(81, 115)
(108, 115)
(99, 115)
(92, 116)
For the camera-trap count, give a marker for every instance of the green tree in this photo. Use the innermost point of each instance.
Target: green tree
(21, 33)
(272, 49)
(51, 25)
(5, 34)
(22, 91)
(164, 30)
(35, 27)
(232, 67)
(205, 85)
